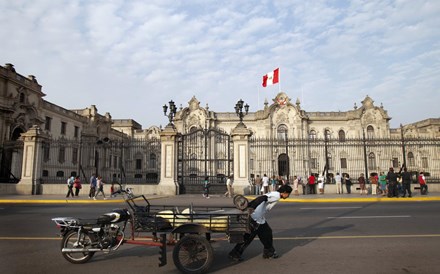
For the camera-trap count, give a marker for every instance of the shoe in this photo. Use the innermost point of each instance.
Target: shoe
(208, 197)
(94, 198)
(235, 256)
(105, 198)
(273, 256)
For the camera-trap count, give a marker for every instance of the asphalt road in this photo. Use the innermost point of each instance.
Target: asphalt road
(311, 238)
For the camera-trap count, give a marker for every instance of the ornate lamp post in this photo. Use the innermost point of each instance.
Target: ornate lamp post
(171, 113)
(239, 110)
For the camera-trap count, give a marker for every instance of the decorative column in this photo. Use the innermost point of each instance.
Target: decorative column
(240, 136)
(32, 161)
(168, 184)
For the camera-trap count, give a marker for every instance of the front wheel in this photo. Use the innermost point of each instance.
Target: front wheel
(74, 241)
(193, 254)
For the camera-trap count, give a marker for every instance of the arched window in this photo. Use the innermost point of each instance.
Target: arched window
(341, 135)
(327, 134)
(411, 160)
(282, 132)
(152, 160)
(312, 135)
(370, 132)
(371, 161)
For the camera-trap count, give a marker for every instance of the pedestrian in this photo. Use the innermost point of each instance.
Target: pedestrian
(406, 183)
(70, 182)
(348, 183)
(100, 186)
(92, 191)
(258, 224)
(273, 183)
(77, 185)
(373, 180)
(321, 184)
(383, 183)
(265, 181)
(423, 185)
(311, 182)
(206, 186)
(362, 187)
(392, 183)
(295, 185)
(258, 183)
(338, 180)
(229, 188)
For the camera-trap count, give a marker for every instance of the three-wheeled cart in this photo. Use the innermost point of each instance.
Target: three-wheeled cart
(189, 227)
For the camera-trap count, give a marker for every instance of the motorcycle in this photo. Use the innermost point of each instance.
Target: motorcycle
(81, 238)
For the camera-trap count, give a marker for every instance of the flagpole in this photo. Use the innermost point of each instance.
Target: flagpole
(258, 90)
(279, 80)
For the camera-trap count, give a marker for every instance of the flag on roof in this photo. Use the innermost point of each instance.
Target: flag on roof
(271, 78)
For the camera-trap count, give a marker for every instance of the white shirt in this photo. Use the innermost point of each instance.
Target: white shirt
(338, 178)
(259, 213)
(265, 181)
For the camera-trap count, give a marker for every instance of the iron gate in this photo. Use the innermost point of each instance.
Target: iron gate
(11, 155)
(204, 153)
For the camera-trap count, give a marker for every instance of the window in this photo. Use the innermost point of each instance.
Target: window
(341, 135)
(282, 132)
(76, 132)
(46, 152)
(370, 132)
(327, 134)
(63, 128)
(152, 160)
(138, 163)
(61, 154)
(47, 124)
(411, 161)
(60, 173)
(313, 163)
(329, 159)
(22, 97)
(371, 161)
(424, 162)
(75, 155)
(115, 161)
(343, 162)
(312, 135)
(395, 162)
(45, 173)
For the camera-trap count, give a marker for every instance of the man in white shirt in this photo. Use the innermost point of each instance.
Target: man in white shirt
(265, 184)
(338, 180)
(258, 225)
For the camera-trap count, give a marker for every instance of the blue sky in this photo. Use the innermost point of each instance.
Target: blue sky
(131, 57)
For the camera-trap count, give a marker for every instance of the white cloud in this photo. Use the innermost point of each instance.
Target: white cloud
(131, 57)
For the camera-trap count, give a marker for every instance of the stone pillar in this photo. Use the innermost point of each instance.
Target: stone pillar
(32, 161)
(168, 182)
(240, 136)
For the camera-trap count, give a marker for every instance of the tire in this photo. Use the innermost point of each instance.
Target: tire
(70, 241)
(240, 202)
(193, 254)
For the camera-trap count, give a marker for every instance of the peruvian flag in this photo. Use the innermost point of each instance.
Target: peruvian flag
(271, 78)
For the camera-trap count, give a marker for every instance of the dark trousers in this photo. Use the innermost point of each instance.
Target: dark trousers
(312, 189)
(406, 188)
(348, 187)
(424, 189)
(264, 232)
(92, 192)
(77, 191)
(69, 191)
(392, 189)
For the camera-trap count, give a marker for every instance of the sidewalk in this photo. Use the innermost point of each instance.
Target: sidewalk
(216, 199)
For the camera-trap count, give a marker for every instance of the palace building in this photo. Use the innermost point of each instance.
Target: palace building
(41, 144)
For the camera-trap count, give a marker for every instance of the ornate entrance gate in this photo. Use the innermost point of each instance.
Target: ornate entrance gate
(203, 153)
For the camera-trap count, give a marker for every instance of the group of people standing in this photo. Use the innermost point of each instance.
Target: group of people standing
(96, 187)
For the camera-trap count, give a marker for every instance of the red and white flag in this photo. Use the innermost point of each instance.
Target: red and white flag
(271, 78)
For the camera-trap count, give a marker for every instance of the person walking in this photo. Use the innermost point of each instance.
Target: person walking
(70, 182)
(348, 183)
(100, 185)
(312, 189)
(406, 183)
(77, 185)
(265, 181)
(373, 180)
(230, 190)
(258, 224)
(258, 183)
(362, 183)
(338, 179)
(273, 183)
(295, 185)
(423, 185)
(92, 190)
(392, 183)
(206, 186)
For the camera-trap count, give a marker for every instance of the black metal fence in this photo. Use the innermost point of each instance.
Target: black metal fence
(134, 161)
(288, 157)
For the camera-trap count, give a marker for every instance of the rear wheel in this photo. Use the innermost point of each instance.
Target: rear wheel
(193, 254)
(72, 241)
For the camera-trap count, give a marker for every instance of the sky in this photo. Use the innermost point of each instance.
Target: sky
(129, 58)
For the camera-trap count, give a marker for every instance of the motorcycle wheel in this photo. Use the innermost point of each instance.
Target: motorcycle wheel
(240, 202)
(70, 240)
(193, 254)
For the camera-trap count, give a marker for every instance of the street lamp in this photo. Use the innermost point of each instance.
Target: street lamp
(172, 111)
(239, 110)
